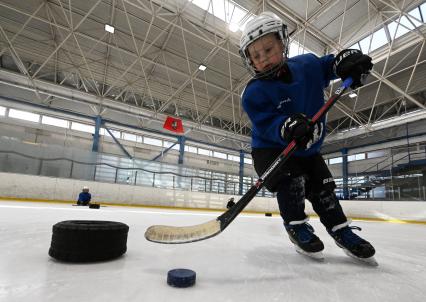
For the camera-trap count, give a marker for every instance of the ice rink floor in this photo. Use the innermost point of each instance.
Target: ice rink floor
(252, 260)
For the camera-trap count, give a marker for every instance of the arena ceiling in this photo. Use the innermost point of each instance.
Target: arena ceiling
(60, 54)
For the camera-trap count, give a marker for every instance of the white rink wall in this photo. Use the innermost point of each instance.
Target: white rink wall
(50, 188)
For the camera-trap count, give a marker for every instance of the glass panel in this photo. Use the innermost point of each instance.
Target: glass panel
(416, 14)
(423, 10)
(406, 23)
(191, 149)
(338, 181)
(351, 157)
(218, 182)
(83, 127)
(219, 155)
(145, 178)
(365, 44)
(219, 7)
(295, 49)
(375, 154)
(117, 134)
(248, 161)
(167, 144)
(237, 15)
(152, 141)
(129, 137)
(232, 184)
(203, 4)
(233, 158)
(355, 46)
(24, 115)
(360, 156)
(204, 152)
(165, 181)
(379, 39)
(401, 29)
(2, 110)
(336, 160)
(54, 121)
(105, 173)
(126, 176)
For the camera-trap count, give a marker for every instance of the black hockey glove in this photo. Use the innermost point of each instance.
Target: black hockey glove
(352, 63)
(301, 129)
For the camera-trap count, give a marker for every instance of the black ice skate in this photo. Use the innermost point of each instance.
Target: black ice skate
(305, 241)
(353, 245)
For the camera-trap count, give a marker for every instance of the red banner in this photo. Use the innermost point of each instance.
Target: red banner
(173, 124)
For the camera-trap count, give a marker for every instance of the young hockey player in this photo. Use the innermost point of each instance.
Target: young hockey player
(230, 203)
(283, 94)
(84, 197)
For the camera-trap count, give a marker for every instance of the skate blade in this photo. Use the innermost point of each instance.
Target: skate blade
(319, 256)
(371, 261)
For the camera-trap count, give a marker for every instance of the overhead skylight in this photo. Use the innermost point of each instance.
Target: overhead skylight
(202, 67)
(233, 27)
(297, 49)
(379, 39)
(227, 11)
(109, 28)
(403, 28)
(407, 24)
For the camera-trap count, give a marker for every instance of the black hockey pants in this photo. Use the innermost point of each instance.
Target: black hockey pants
(300, 178)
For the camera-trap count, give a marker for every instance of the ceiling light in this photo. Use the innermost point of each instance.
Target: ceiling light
(202, 67)
(109, 28)
(352, 95)
(233, 27)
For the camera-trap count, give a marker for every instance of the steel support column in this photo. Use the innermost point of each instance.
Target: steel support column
(96, 136)
(241, 173)
(345, 173)
(181, 140)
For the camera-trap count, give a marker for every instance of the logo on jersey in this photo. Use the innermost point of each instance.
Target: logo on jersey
(287, 100)
(327, 180)
(338, 90)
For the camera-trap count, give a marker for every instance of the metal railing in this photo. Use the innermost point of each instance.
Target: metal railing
(398, 177)
(57, 161)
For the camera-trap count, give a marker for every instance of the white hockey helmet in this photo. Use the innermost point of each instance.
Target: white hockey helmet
(85, 188)
(263, 24)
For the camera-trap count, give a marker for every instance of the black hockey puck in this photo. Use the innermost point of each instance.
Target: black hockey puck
(268, 214)
(94, 206)
(181, 277)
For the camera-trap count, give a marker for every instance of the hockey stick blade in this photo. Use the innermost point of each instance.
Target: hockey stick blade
(187, 234)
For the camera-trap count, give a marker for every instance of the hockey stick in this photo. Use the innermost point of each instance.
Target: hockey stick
(186, 234)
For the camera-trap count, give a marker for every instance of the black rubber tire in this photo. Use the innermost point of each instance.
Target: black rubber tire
(88, 240)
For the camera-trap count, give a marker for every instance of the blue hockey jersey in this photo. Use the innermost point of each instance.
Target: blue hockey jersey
(84, 197)
(269, 103)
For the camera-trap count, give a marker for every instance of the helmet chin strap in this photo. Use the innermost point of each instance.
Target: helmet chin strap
(271, 73)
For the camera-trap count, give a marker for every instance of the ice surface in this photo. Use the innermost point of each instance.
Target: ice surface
(253, 260)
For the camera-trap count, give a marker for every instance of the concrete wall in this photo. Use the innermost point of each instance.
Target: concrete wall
(39, 187)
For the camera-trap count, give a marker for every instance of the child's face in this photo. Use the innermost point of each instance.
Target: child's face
(266, 52)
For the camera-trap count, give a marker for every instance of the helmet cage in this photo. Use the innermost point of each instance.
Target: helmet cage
(275, 26)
